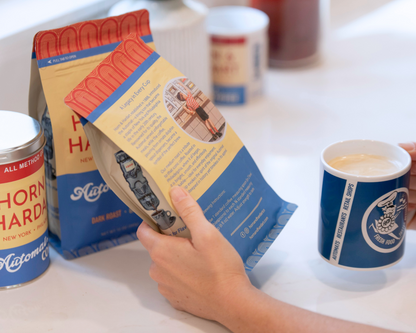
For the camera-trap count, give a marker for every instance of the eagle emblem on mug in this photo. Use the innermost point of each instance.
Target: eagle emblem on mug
(384, 222)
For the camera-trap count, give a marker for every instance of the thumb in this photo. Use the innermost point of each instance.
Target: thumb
(188, 209)
(148, 237)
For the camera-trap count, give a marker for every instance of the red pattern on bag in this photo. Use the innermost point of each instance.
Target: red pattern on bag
(89, 34)
(68, 35)
(108, 75)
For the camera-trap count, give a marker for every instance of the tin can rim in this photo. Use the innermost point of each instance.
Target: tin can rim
(25, 150)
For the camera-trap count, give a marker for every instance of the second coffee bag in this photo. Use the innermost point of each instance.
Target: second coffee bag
(84, 214)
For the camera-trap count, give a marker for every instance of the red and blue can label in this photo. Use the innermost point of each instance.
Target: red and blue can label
(24, 252)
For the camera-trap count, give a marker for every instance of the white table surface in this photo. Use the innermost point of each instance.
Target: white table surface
(363, 88)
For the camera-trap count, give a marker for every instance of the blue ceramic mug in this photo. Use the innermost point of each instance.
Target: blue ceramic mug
(362, 219)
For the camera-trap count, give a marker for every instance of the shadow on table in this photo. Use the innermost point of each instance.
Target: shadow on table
(355, 281)
(131, 268)
(266, 269)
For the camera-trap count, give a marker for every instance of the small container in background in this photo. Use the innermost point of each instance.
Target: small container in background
(217, 3)
(24, 251)
(178, 29)
(238, 53)
(294, 32)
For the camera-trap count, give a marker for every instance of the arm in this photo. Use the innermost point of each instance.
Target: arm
(411, 149)
(205, 276)
(185, 87)
(188, 111)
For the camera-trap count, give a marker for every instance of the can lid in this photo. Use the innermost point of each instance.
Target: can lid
(236, 21)
(20, 136)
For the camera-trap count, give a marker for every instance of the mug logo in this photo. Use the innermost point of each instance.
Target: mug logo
(384, 222)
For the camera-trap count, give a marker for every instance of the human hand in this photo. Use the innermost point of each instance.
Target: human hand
(205, 276)
(199, 275)
(411, 149)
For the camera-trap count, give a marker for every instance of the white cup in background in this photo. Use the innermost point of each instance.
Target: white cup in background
(238, 53)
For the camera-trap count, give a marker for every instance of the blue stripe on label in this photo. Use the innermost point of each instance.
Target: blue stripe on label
(244, 208)
(24, 263)
(83, 121)
(83, 53)
(77, 55)
(229, 95)
(147, 38)
(126, 85)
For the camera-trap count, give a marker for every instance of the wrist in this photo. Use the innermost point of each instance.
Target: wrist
(234, 305)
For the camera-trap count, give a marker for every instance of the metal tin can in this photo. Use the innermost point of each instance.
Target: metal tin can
(24, 251)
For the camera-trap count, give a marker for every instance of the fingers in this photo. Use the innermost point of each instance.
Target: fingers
(412, 184)
(412, 223)
(170, 295)
(410, 147)
(158, 274)
(412, 197)
(148, 237)
(188, 210)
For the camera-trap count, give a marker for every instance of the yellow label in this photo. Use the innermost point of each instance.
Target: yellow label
(73, 152)
(71, 146)
(23, 212)
(139, 122)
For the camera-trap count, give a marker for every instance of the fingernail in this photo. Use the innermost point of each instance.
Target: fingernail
(409, 146)
(177, 194)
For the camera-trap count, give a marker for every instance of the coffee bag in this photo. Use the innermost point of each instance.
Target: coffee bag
(151, 128)
(85, 216)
